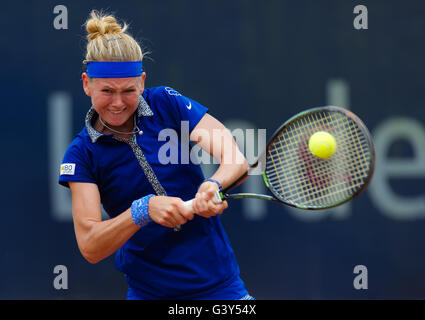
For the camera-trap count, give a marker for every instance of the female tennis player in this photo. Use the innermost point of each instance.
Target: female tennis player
(117, 160)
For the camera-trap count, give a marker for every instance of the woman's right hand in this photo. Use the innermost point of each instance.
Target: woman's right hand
(169, 211)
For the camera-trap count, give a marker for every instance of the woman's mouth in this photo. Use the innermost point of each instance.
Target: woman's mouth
(117, 111)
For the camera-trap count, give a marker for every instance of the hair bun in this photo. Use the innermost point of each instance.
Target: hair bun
(100, 25)
(102, 28)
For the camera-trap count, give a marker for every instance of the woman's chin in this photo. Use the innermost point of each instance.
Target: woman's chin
(117, 121)
(116, 124)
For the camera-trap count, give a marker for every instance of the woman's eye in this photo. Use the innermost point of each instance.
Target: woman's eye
(126, 91)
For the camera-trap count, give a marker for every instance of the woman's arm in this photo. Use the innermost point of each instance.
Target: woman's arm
(98, 239)
(212, 136)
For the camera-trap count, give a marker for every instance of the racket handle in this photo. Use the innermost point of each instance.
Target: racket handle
(216, 198)
(188, 204)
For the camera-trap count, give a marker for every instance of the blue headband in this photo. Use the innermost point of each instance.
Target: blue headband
(114, 69)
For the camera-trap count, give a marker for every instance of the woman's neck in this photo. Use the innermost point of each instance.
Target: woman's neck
(123, 131)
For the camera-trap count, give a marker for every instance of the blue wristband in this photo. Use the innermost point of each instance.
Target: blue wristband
(140, 211)
(215, 181)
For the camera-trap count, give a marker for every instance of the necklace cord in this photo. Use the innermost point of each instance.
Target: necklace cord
(135, 130)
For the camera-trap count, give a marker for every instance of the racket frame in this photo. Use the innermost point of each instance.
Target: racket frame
(276, 197)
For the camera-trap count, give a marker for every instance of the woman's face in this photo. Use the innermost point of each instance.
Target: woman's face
(114, 99)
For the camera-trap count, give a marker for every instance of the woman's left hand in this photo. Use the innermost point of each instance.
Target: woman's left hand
(203, 204)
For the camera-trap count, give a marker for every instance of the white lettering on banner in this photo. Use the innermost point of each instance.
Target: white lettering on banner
(385, 199)
(59, 120)
(252, 209)
(337, 94)
(59, 136)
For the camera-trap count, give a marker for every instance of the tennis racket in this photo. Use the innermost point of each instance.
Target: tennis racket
(295, 177)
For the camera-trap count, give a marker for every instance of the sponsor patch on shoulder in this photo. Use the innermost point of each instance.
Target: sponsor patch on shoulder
(67, 169)
(172, 92)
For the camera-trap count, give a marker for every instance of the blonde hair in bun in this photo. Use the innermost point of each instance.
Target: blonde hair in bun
(109, 41)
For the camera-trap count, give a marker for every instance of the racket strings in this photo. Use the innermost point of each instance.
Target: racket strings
(320, 170)
(306, 180)
(322, 181)
(311, 175)
(276, 152)
(314, 176)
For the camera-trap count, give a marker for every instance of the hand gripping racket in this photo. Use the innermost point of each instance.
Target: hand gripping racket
(295, 177)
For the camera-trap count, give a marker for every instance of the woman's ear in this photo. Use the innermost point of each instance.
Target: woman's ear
(86, 86)
(142, 79)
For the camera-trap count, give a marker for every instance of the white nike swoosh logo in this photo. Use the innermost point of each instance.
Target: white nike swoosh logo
(189, 106)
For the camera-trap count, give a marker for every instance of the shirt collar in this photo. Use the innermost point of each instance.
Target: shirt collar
(143, 110)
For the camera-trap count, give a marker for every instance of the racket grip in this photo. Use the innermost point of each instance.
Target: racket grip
(216, 198)
(188, 204)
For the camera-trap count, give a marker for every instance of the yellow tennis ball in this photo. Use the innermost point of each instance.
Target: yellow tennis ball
(322, 144)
